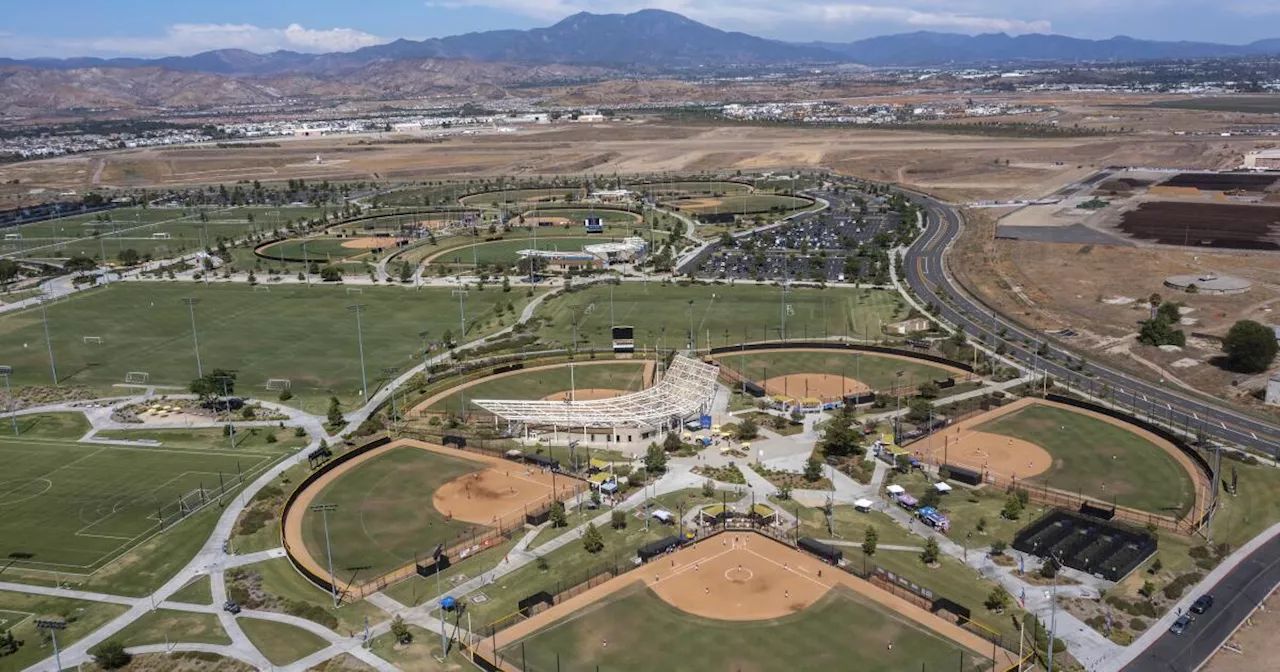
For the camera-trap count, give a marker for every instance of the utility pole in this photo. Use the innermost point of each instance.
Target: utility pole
(44, 316)
(7, 371)
(364, 381)
(191, 306)
(324, 510)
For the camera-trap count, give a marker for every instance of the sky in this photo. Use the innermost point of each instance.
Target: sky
(151, 28)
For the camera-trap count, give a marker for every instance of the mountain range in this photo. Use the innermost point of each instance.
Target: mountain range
(656, 40)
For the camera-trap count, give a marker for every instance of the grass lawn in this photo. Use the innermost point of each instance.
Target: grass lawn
(65, 426)
(566, 567)
(506, 252)
(1101, 460)
(150, 564)
(743, 204)
(850, 525)
(965, 514)
(420, 655)
(877, 372)
(213, 439)
(199, 591)
(662, 312)
(281, 580)
(624, 376)
(385, 518)
(279, 642)
(550, 194)
(74, 507)
(415, 590)
(767, 421)
(304, 334)
(180, 626)
(17, 610)
(646, 633)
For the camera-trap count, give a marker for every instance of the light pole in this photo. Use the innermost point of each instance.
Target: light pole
(461, 293)
(44, 317)
(324, 510)
(7, 371)
(306, 263)
(426, 348)
(897, 414)
(225, 394)
(191, 306)
(389, 375)
(53, 625)
(364, 381)
(573, 307)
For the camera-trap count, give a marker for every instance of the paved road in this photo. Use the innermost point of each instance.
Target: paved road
(1236, 596)
(926, 274)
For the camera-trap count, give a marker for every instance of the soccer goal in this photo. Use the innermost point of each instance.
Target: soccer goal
(192, 501)
(137, 377)
(94, 340)
(278, 384)
(355, 290)
(261, 288)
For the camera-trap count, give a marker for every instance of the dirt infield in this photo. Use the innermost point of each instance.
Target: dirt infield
(370, 243)
(821, 385)
(499, 475)
(742, 576)
(430, 401)
(586, 394)
(546, 221)
(485, 497)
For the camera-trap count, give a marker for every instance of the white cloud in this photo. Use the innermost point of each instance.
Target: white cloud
(765, 16)
(184, 39)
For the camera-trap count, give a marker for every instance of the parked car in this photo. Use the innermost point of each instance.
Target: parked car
(1202, 604)
(231, 607)
(1180, 626)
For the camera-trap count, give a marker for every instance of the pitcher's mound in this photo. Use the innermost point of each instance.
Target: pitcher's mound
(585, 394)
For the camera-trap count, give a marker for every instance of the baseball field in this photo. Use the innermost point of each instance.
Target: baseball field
(543, 382)
(823, 373)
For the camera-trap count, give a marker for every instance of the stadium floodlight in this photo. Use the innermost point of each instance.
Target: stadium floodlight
(44, 317)
(426, 348)
(7, 371)
(53, 625)
(358, 309)
(191, 306)
(389, 375)
(324, 510)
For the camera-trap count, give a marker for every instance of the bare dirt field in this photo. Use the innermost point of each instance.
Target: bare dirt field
(370, 243)
(952, 166)
(820, 385)
(485, 497)
(1256, 641)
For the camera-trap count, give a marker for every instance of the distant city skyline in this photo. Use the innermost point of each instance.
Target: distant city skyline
(150, 28)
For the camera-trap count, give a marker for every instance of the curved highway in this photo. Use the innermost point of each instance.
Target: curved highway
(925, 272)
(1243, 586)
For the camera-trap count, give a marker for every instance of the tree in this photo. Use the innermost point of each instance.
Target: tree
(929, 390)
(998, 600)
(400, 631)
(1148, 589)
(839, 438)
(1012, 507)
(1250, 346)
(558, 518)
(129, 257)
(331, 274)
(919, 411)
(110, 655)
(931, 497)
(998, 546)
(335, 412)
(747, 429)
(592, 541)
(80, 263)
(618, 519)
(708, 488)
(1049, 568)
(672, 442)
(870, 540)
(1159, 330)
(8, 269)
(406, 272)
(929, 555)
(813, 469)
(217, 382)
(655, 459)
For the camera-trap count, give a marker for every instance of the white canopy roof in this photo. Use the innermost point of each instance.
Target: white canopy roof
(941, 487)
(896, 489)
(685, 390)
(862, 503)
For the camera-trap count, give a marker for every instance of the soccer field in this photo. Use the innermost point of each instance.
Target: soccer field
(73, 507)
(306, 335)
(1100, 459)
(662, 314)
(637, 630)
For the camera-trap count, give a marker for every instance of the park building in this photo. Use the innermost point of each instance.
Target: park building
(1273, 389)
(600, 255)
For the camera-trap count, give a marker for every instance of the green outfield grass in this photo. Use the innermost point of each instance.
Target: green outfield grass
(645, 633)
(512, 196)
(74, 507)
(691, 188)
(746, 204)
(579, 215)
(303, 334)
(321, 250)
(739, 313)
(279, 642)
(385, 518)
(539, 384)
(1101, 460)
(876, 371)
